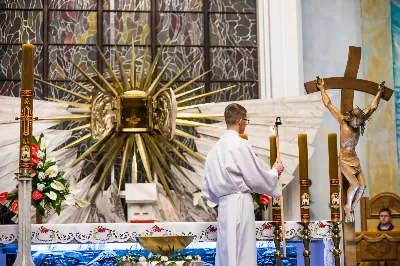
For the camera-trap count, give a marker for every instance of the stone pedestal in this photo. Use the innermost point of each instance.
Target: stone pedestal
(24, 221)
(141, 199)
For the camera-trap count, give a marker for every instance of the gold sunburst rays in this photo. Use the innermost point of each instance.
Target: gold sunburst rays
(140, 131)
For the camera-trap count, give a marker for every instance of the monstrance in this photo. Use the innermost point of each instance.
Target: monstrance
(136, 115)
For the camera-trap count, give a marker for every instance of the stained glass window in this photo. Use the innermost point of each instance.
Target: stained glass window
(220, 35)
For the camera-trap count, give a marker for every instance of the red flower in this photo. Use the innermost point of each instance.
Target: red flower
(35, 149)
(213, 229)
(267, 226)
(3, 196)
(101, 230)
(322, 225)
(36, 195)
(44, 230)
(14, 206)
(264, 199)
(33, 171)
(35, 160)
(157, 229)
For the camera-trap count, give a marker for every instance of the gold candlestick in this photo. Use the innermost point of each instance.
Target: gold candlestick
(25, 159)
(306, 242)
(304, 196)
(334, 194)
(303, 176)
(276, 210)
(277, 241)
(334, 177)
(276, 205)
(336, 242)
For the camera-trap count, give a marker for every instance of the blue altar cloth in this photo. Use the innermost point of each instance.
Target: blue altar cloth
(83, 254)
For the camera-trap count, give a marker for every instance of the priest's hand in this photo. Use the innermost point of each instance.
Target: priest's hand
(279, 167)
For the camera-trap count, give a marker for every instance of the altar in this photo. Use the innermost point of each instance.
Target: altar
(107, 240)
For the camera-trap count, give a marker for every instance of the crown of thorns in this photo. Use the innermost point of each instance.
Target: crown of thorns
(357, 112)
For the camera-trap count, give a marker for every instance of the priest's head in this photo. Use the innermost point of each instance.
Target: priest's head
(236, 117)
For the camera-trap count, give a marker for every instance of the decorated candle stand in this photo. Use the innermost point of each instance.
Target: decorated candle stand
(277, 203)
(304, 196)
(334, 195)
(25, 162)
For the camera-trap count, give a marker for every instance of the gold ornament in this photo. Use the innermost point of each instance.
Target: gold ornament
(136, 116)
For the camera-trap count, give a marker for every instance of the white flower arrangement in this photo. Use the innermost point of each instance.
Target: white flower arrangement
(49, 188)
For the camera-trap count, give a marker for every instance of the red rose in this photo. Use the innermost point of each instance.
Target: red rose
(35, 160)
(264, 199)
(33, 171)
(35, 149)
(3, 196)
(36, 195)
(14, 206)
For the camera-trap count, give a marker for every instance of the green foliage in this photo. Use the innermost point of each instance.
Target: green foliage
(49, 188)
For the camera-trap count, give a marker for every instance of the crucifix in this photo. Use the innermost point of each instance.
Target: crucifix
(352, 122)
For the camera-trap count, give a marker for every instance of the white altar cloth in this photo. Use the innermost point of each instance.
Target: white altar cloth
(127, 232)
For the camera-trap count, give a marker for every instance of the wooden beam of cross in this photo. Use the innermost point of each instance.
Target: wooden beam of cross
(348, 84)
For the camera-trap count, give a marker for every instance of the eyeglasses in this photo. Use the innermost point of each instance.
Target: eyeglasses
(247, 121)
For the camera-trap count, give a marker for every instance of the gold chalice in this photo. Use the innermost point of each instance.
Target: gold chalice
(164, 245)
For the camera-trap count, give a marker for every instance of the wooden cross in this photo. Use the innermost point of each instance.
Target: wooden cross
(348, 84)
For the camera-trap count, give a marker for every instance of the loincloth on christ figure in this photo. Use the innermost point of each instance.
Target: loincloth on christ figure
(349, 161)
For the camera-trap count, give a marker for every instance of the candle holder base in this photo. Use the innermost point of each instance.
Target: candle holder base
(336, 241)
(277, 241)
(306, 242)
(24, 260)
(24, 221)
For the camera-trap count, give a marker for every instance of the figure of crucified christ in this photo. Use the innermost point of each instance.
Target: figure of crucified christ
(352, 124)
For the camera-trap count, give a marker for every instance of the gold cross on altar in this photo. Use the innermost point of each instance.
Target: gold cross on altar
(133, 120)
(26, 119)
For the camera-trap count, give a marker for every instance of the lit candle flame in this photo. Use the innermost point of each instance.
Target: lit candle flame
(273, 130)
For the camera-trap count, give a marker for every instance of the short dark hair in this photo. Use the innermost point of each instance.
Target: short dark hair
(233, 113)
(386, 210)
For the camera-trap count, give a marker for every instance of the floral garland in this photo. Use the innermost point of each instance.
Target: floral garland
(49, 188)
(160, 260)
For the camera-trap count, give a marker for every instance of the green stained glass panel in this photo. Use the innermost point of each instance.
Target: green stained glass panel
(72, 27)
(18, 26)
(180, 29)
(127, 5)
(233, 29)
(179, 5)
(63, 57)
(123, 27)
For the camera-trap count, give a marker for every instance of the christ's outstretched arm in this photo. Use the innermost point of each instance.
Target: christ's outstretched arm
(327, 101)
(375, 102)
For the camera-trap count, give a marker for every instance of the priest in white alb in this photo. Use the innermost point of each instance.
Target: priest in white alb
(232, 172)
